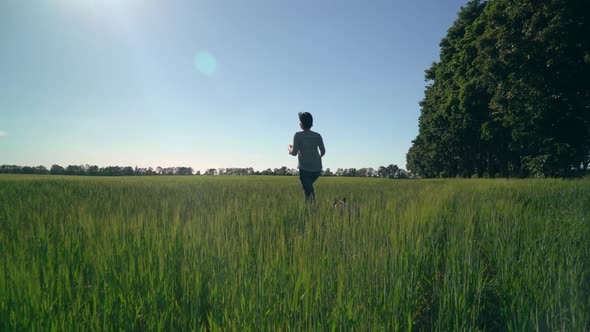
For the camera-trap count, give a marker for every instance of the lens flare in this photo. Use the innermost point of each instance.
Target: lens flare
(206, 63)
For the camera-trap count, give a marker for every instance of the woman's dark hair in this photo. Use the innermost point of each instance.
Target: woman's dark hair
(306, 120)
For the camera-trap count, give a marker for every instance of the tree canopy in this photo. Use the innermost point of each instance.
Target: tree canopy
(510, 95)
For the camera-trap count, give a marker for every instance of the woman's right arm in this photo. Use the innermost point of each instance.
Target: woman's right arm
(322, 147)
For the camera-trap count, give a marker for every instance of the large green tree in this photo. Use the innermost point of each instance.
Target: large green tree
(510, 94)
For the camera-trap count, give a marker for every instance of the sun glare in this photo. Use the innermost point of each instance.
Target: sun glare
(206, 63)
(100, 7)
(97, 3)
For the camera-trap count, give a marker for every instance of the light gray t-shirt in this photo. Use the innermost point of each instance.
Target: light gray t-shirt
(306, 145)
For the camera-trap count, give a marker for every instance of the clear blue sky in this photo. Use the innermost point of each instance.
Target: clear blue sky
(213, 83)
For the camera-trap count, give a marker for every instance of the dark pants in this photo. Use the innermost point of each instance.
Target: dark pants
(307, 179)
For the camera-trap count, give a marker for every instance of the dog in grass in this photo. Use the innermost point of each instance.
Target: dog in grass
(339, 202)
(346, 208)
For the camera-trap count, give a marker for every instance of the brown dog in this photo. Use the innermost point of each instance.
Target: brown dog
(338, 202)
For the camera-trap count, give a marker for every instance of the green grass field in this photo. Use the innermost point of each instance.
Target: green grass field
(245, 253)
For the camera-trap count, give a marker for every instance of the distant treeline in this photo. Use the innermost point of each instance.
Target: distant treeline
(510, 96)
(391, 171)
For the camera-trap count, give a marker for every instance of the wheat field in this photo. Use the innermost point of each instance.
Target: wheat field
(246, 253)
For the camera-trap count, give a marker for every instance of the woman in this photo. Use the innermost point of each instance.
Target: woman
(309, 147)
